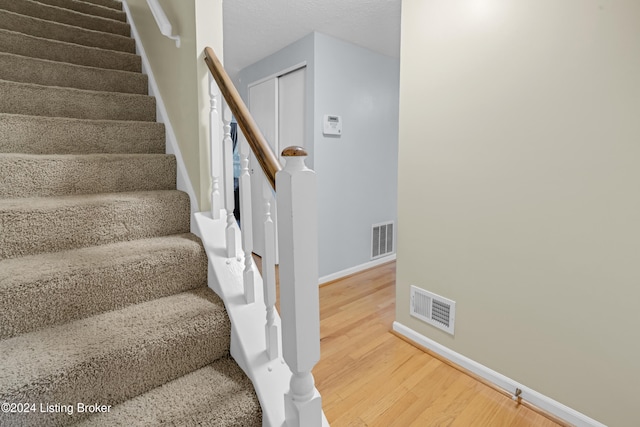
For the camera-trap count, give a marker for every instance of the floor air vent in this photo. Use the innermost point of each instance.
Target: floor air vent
(381, 240)
(433, 309)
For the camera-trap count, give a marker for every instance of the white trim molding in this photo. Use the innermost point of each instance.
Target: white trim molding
(271, 378)
(358, 268)
(535, 398)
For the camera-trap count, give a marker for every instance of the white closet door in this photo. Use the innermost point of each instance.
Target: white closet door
(263, 101)
(291, 108)
(278, 107)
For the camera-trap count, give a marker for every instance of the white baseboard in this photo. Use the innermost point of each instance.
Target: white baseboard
(541, 401)
(356, 269)
(183, 183)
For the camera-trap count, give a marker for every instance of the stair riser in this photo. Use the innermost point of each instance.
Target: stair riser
(30, 70)
(29, 175)
(88, 8)
(53, 135)
(80, 104)
(67, 33)
(65, 16)
(75, 222)
(96, 280)
(53, 50)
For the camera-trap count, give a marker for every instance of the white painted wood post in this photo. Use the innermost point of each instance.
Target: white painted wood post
(299, 296)
(269, 275)
(246, 222)
(228, 183)
(215, 151)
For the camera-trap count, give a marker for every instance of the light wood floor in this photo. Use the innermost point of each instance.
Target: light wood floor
(368, 376)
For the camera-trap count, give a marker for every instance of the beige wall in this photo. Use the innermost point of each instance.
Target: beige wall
(518, 190)
(181, 76)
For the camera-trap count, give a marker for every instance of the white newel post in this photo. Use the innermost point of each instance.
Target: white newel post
(299, 297)
(269, 275)
(228, 183)
(246, 221)
(214, 147)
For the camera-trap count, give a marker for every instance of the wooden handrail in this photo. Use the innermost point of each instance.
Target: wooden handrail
(261, 148)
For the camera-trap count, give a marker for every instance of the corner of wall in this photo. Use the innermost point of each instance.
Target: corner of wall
(183, 182)
(172, 81)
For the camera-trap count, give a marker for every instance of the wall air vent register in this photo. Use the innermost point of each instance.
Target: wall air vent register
(433, 309)
(381, 239)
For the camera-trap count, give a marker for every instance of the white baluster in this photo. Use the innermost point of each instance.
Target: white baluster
(269, 275)
(246, 222)
(228, 181)
(299, 299)
(214, 147)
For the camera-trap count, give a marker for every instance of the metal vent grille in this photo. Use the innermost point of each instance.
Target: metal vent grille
(440, 312)
(433, 309)
(381, 239)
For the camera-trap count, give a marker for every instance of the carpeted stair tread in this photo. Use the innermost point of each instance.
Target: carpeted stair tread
(24, 69)
(54, 50)
(103, 289)
(42, 175)
(36, 225)
(88, 8)
(65, 16)
(63, 32)
(52, 101)
(61, 135)
(220, 394)
(113, 356)
(59, 287)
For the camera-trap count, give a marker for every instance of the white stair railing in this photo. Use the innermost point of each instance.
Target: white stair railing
(229, 201)
(272, 339)
(246, 215)
(299, 296)
(298, 341)
(215, 153)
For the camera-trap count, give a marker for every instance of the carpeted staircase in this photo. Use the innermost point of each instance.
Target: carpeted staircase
(103, 290)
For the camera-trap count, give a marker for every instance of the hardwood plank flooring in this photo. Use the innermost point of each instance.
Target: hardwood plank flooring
(370, 377)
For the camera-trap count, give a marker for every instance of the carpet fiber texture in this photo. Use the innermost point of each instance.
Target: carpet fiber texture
(105, 314)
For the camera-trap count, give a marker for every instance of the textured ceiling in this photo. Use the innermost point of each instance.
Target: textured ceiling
(254, 29)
